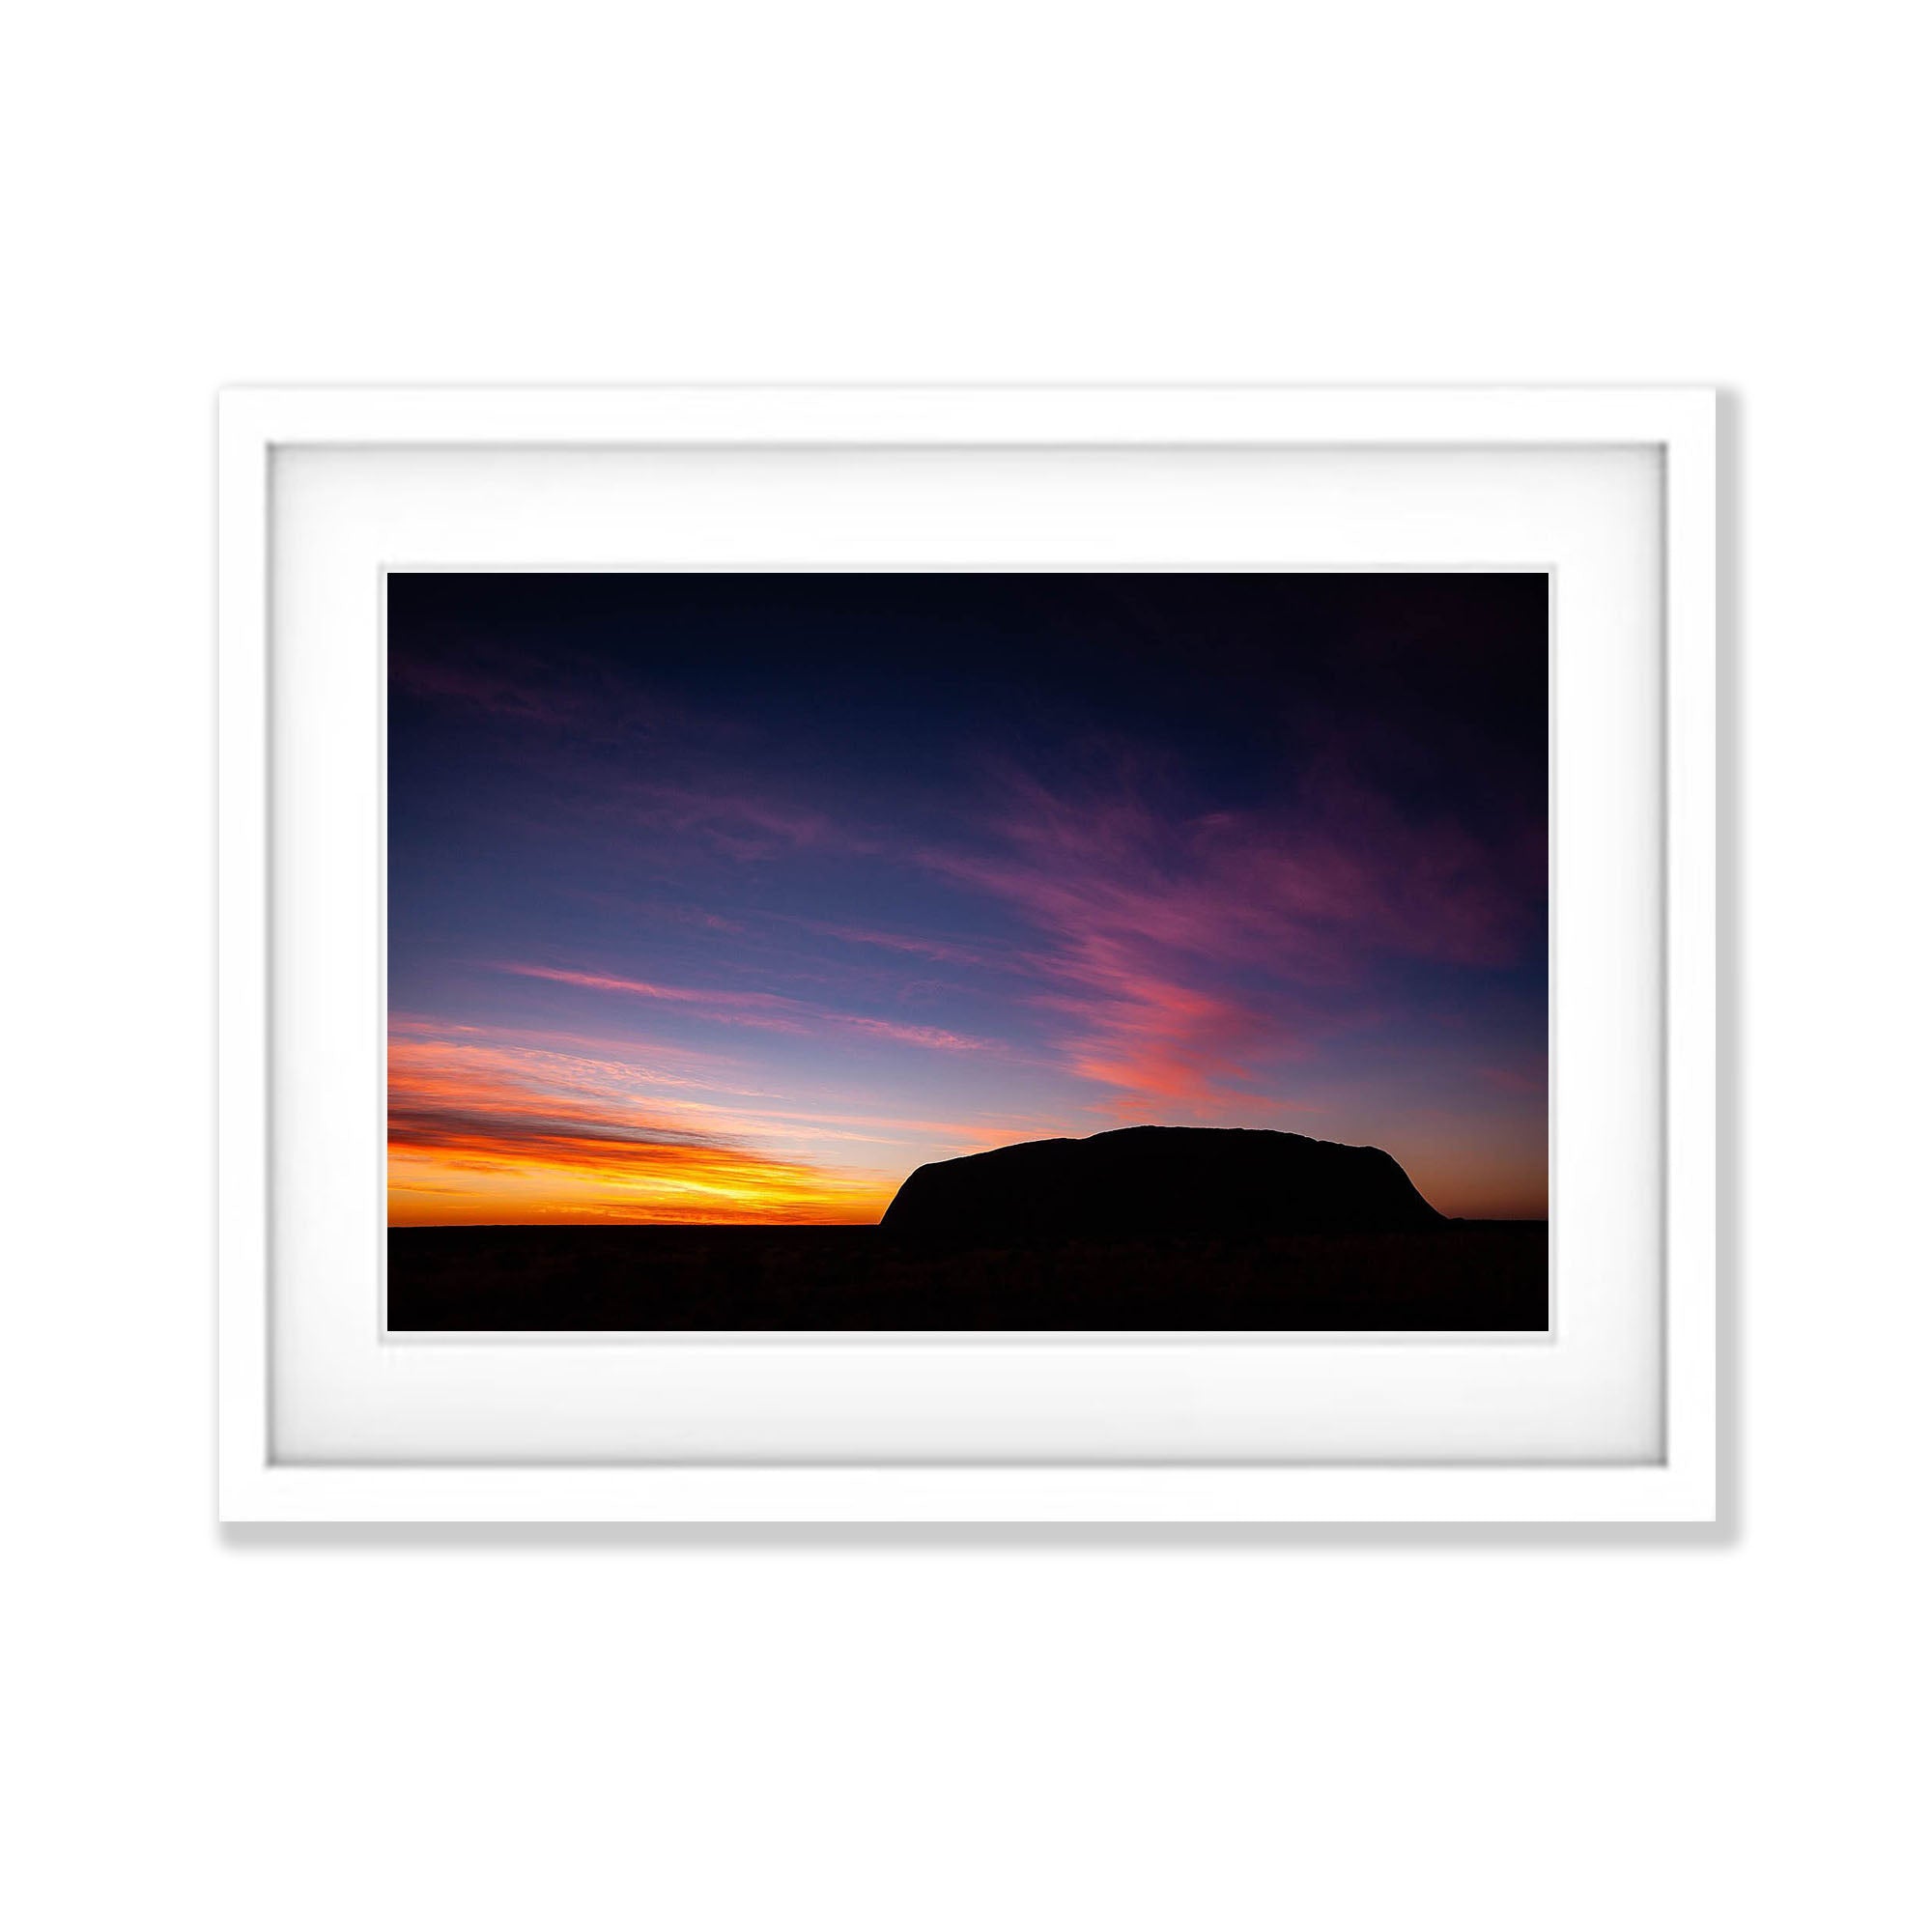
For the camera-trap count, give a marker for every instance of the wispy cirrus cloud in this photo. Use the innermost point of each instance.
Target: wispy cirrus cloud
(1532, 1077)
(1186, 955)
(506, 684)
(947, 952)
(736, 820)
(771, 1013)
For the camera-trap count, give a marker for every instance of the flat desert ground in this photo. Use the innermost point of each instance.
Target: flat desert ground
(1465, 1275)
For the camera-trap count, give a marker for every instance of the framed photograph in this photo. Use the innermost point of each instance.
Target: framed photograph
(968, 955)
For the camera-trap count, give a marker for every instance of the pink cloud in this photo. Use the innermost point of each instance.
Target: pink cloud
(1530, 1080)
(773, 1013)
(751, 1010)
(491, 681)
(741, 824)
(1189, 957)
(915, 1036)
(947, 951)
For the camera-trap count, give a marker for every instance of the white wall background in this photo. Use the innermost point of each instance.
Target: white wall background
(600, 1730)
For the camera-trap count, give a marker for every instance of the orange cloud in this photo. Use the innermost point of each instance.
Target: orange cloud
(481, 1132)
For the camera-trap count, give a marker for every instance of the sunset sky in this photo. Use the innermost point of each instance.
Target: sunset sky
(735, 898)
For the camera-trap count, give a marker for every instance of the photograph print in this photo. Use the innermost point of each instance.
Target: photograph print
(1100, 952)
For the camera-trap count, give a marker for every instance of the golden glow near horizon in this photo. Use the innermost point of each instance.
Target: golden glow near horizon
(489, 1125)
(567, 1182)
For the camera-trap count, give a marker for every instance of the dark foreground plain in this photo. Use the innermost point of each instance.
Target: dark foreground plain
(1460, 1275)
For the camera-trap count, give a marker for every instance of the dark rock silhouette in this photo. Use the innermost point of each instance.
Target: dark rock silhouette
(1142, 1183)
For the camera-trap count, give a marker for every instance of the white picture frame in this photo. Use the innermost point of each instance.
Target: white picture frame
(1677, 1481)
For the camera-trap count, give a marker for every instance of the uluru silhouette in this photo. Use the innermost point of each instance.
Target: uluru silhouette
(1137, 1183)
